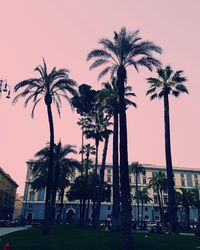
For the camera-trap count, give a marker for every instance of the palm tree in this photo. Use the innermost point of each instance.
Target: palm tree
(186, 199)
(82, 122)
(87, 150)
(49, 87)
(126, 49)
(136, 168)
(94, 130)
(168, 82)
(105, 134)
(158, 183)
(143, 197)
(109, 98)
(196, 204)
(64, 170)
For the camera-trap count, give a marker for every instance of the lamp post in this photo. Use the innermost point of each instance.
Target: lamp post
(4, 87)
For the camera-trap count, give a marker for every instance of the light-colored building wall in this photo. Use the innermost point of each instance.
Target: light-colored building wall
(33, 202)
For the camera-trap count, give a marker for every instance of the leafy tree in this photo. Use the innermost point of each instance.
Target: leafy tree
(186, 199)
(126, 49)
(143, 197)
(82, 188)
(168, 83)
(49, 87)
(64, 170)
(84, 100)
(158, 182)
(84, 103)
(136, 168)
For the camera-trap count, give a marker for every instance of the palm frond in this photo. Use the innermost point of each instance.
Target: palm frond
(154, 96)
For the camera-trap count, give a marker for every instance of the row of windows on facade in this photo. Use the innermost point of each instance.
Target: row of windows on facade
(182, 176)
(41, 194)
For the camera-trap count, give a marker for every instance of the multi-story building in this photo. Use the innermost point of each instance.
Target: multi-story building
(7, 195)
(33, 203)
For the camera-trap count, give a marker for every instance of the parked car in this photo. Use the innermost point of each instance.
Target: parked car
(151, 226)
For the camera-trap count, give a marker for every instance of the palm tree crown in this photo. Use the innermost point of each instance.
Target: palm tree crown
(126, 49)
(50, 86)
(109, 96)
(168, 82)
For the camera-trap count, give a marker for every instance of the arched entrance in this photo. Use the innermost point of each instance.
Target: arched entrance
(70, 216)
(29, 218)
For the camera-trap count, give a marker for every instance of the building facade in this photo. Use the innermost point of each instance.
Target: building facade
(8, 189)
(33, 202)
(18, 207)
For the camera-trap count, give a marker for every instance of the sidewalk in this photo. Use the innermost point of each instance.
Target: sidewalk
(7, 230)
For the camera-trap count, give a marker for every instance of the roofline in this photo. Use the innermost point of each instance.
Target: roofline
(151, 166)
(8, 177)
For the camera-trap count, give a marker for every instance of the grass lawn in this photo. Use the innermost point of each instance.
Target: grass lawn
(73, 237)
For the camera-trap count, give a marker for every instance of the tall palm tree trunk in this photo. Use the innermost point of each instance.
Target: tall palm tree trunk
(84, 211)
(142, 213)
(160, 206)
(101, 185)
(48, 199)
(116, 213)
(82, 142)
(170, 180)
(124, 171)
(80, 210)
(187, 213)
(137, 198)
(87, 211)
(54, 192)
(94, 196)
(61, 204)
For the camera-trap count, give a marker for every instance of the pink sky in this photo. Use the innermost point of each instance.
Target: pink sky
(63, 32)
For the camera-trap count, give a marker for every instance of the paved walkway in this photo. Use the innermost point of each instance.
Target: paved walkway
(7, 230)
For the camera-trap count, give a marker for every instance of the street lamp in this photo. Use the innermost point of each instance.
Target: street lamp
(4, 87)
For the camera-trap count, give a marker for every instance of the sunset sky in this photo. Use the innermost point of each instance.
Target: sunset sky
(63, 32)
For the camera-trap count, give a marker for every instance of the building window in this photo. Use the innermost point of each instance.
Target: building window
(189, 180)
(146, 209)
(146, 217)
(144, 181)
(108, 178)
(182, 175)
(31, 196)
(130, 181)
(40, 195)
(195, 176)
(182, 182)
(196, 183)
(157, 218)
(108, 171)
(109, 207)
(156, 209)
(165, 200)
(155, 199)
